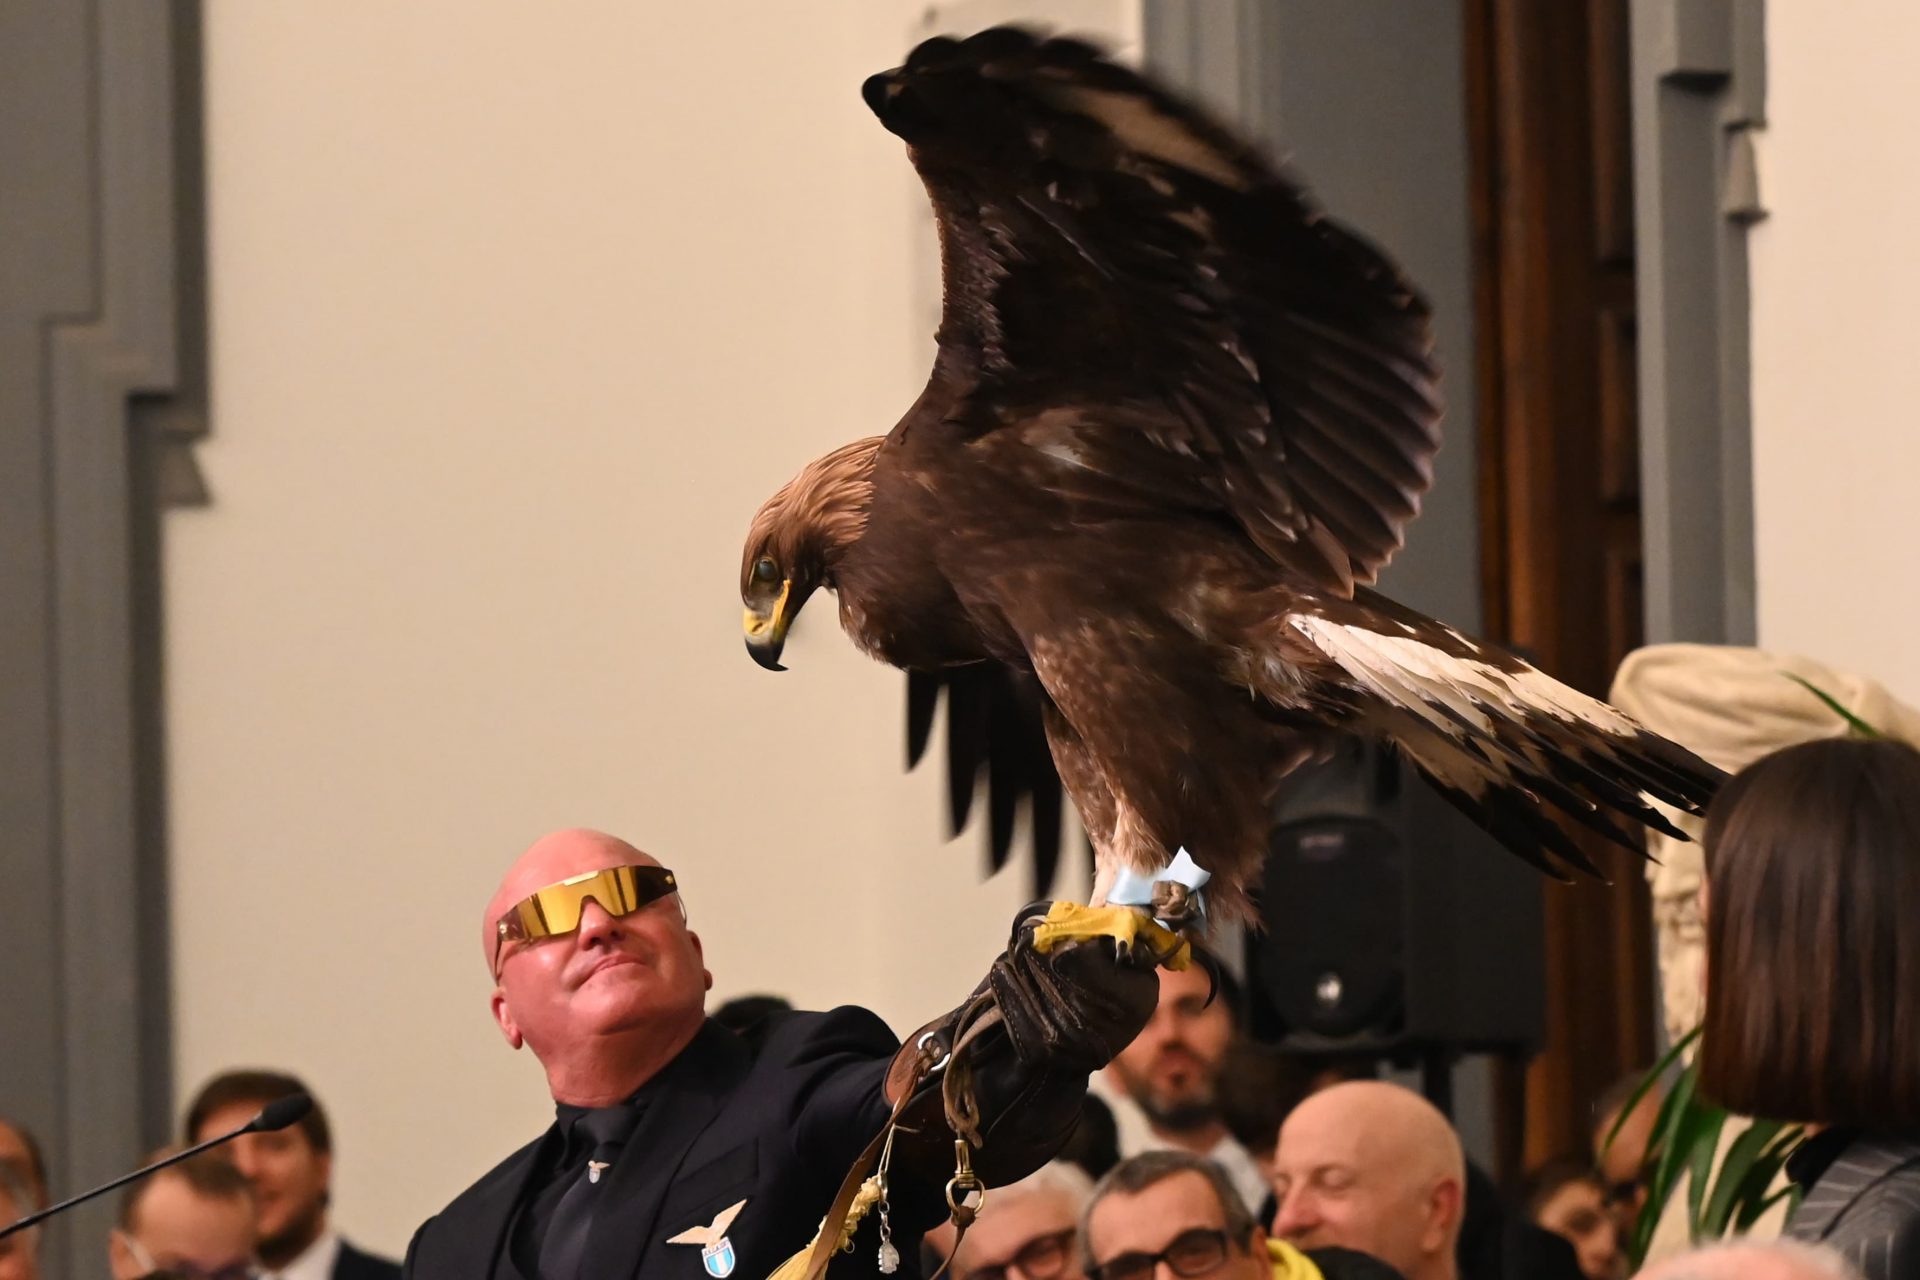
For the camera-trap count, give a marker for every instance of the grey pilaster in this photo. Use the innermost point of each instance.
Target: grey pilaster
(1698, 93)
(97, 341)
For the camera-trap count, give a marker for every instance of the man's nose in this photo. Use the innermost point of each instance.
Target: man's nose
(1294, 1214)
(597, 924)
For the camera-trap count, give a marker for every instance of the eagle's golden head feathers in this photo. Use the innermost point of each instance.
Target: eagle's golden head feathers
(797, 537)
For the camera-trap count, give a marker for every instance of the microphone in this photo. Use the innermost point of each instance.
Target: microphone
(277, 1114)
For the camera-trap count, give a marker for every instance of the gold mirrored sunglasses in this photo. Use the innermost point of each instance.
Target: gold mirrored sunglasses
(554, 910)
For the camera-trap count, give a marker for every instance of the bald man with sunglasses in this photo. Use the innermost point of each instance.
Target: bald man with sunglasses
(675, 1151)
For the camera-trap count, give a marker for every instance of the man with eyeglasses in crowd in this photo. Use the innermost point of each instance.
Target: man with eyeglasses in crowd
(712, 1158)
(190, 1221)
(1174, 1213)
(1027, 1231)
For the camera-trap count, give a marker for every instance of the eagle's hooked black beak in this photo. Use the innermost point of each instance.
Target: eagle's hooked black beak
(767, 632)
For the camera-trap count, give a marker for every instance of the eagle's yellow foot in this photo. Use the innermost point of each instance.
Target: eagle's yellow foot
(1135, 933)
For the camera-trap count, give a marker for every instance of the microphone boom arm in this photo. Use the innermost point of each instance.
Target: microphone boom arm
(277, 1114)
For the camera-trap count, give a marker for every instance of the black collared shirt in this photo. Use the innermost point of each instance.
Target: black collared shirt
(556, 1172)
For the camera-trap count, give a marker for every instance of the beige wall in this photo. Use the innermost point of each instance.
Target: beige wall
(1836, 374)
(517, 316)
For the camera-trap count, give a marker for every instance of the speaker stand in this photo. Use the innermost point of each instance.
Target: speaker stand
(1436, 1077)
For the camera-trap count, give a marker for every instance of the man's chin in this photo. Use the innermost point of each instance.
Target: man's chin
(287, 1240)
(626, 1007)
(1181, 1115)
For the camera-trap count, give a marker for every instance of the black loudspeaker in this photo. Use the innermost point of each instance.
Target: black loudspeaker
(1392, 926)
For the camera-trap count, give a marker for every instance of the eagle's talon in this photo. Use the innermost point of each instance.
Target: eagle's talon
(1211, 964)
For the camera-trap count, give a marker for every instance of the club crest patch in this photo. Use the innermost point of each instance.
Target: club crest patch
(716, 1250)
(718, 1258)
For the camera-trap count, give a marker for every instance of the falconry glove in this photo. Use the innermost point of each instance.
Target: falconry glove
(990, 1091)
(1005, 1071)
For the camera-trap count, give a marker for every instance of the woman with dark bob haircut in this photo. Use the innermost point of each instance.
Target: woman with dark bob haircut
(1813, 982)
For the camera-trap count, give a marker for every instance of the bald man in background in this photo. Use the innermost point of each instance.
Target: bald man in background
(1375, 1168)
(1740, 1260)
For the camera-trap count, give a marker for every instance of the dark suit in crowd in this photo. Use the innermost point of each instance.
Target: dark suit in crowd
(719, 1127)
(1862, 1199)
(353, 1264)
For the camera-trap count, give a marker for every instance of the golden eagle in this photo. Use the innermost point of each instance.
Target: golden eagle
(1178, 421)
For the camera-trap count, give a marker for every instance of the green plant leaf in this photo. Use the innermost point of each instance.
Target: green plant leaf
(1647, 1082)
(1854, 722)
(1667, 1151)
(1702, 1147)
(1696, 1125)
(1772, 1167)
(1757, 1210)
(1683, 1143)
(1753, 1158)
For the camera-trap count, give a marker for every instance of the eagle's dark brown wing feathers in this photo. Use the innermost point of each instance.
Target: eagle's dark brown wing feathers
(1108, 246)
(923, 703)
(996, 738)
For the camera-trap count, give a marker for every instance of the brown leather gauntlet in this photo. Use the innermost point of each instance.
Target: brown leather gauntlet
(1006, 1071)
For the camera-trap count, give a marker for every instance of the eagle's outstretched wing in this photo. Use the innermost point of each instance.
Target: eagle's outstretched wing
(1100, 234)
(1150, 331)
(1217, 344)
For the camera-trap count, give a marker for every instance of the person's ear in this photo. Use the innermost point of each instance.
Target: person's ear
(1443, 1215)
(700, 954)
(503, 1017)
(1257, 1242)
(120, 1259)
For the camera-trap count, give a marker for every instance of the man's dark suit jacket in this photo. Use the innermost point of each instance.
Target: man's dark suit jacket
(1865, 1202)
(352, 1264)
(778, 1131)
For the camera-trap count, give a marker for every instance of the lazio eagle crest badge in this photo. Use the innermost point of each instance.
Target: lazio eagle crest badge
(716, 1251)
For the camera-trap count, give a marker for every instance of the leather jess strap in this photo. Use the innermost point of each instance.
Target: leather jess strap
(925, 1056)
(993, 1087)
(834, 1225)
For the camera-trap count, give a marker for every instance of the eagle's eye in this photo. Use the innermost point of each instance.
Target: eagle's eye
(765, 571)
